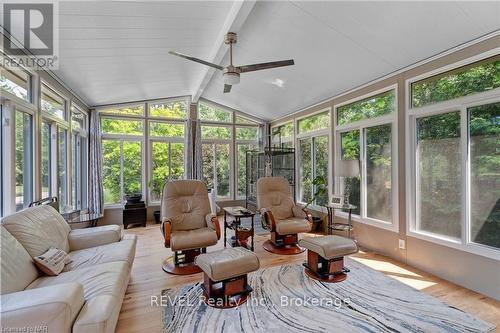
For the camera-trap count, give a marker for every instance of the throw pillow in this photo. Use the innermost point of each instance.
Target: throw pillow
(52, 262)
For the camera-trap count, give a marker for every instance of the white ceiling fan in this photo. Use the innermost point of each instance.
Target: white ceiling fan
(232, 73)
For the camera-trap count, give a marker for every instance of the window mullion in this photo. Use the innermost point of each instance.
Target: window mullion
(465, 163)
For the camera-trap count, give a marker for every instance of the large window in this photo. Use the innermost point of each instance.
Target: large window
(52, 103)
(143, 147)
(463, 81)
(62, 167)
(454, 187)
(282, 135)
(79, 160)
(16, 82)
(313, 152)
(167, 155)
(122, 169)
(226, 137)
(23, 159)
(46, 160)
(365, 132)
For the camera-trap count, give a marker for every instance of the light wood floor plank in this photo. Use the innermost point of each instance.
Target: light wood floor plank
(147, 279)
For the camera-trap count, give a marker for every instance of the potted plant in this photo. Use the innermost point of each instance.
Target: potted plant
(321, 188)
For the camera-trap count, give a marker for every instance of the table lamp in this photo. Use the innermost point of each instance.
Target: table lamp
(347, 169)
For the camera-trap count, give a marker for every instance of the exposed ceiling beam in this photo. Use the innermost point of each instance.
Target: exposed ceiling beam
(234, 21)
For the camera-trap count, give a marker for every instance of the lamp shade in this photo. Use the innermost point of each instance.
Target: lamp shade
(347, 168)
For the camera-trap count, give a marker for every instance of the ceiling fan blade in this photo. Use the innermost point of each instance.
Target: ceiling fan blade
(265, 65)
(196, 60)
(227, 88)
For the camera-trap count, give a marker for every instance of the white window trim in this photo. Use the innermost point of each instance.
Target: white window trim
(412, 114)
(297, 137)
(458, 104)
(361, 125)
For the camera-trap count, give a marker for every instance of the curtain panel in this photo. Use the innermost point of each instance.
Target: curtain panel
(95, 190)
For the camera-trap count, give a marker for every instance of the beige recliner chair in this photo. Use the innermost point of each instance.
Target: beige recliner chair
(281, 216)
(188, 226)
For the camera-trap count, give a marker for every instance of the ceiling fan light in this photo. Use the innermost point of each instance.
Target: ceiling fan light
(231, 78)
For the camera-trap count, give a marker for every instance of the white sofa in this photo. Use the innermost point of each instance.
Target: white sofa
(85, 297)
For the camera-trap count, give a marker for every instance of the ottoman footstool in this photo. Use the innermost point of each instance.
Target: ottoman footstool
(325, 257)
(225, 271)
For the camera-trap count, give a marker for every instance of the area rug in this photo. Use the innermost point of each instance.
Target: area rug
(285, 300)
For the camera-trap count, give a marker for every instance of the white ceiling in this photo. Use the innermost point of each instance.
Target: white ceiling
(113, 52)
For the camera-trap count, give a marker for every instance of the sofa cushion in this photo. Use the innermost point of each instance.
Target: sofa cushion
(38, 229)
(90, 237)
(17, 268)
(103, 279)
(123, 250)
(98, 315)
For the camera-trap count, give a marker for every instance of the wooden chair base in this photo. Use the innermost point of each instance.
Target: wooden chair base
(288, 249)
(325, 270)
(225, 294)
(181, 269)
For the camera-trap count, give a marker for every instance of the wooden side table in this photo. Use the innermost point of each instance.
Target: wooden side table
(339, 226)
(241, 234)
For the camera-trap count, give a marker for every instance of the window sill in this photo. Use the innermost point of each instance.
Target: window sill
(472, 248)
(372, 222)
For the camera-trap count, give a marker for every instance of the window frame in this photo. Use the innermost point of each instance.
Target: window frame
(81, 171)
(311, 134)
(31, 91)
(165, 101)
(288, 139)
(362, 125)
(460, 104)
(163, 139)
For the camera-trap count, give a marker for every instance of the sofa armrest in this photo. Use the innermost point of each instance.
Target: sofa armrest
(166, 230)
(213, 223)
(55, 307)
(92, 237)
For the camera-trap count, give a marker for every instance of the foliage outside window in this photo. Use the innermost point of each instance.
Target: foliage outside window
(174, 109)
(52, 103)
(23, 159)
(216, 168)
(378, 141)
(15, 82)
(484, 137)
(167, 160)
(131, 110)
(209, 112)
(247, 133)
(282, 136)
(46, 145)
(122, 169)
(315, 122)
(467, 80)
(215, 132)
(242, 120)
(62, 167)
(122, 126)
(439, 174)
(313, 153)
(367, 108)
(350, 150)
(162, 129)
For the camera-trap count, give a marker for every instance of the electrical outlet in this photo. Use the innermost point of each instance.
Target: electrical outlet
(402, 244)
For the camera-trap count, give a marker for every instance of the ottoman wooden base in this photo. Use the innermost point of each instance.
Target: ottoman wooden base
(227, 293)
(326, 270)
(182, 262)
(283, 249)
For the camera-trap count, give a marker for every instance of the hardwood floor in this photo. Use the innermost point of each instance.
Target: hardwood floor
(147, 279)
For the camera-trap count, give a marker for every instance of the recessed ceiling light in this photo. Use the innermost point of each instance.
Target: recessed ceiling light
(278, 83)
